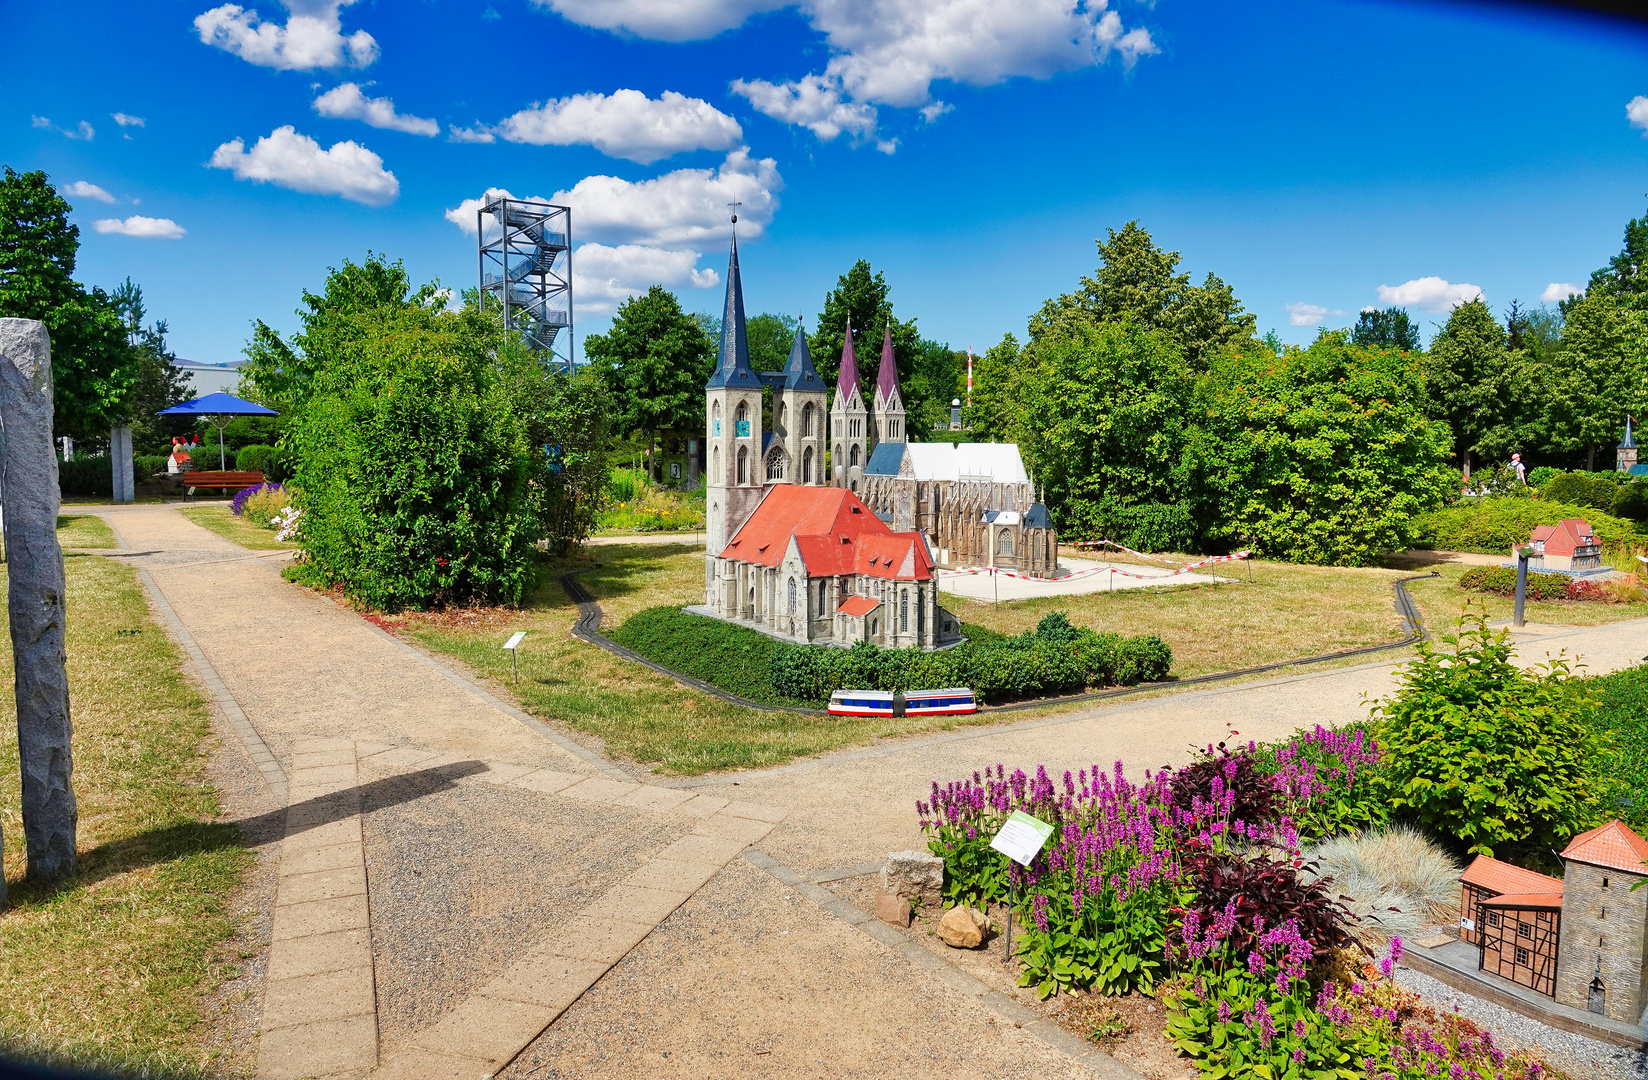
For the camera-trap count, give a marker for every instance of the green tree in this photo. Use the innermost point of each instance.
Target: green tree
(159, 385)
(1471, 383)
(1100, 416)
(654, 361)
(770, 337)
(1136, 279)
(1387, 329)
(992, 416)
(93, 365)
(1321, 455)
(1625, 278)
(861, 296)
(1597, 375)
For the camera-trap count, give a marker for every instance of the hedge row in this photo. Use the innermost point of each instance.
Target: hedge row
(1494, 526)
(734, 658)
(1501, 581)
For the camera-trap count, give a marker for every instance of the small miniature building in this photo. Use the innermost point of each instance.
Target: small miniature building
(1583, 939)
(1571, 545)
(1514, 917)
(1625, 458)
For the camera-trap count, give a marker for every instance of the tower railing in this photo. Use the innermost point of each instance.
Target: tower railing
(525, 263)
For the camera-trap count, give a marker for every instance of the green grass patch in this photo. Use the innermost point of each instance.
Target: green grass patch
(734, 658)
(84, 531)
(235, 528)
(108, 970)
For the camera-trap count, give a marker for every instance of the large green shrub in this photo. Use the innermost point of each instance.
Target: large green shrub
(1486, 752)
(1494, 526)
(414, 463)
(1501, 581)
(147, 465)
(268, 460)
(1581, 489)
(86, 477)
(1631, 501)
(1621, 717)
(735, 658)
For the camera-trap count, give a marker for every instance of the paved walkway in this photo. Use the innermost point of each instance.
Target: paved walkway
(733, 968)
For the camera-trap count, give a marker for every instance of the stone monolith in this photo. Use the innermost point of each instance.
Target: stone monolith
(28, 490)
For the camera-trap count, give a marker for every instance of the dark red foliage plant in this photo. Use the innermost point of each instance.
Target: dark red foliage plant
(1220, 770)
(1263, 893)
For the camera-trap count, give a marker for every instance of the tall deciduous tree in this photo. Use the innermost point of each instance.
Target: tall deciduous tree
(1320, 455)
(1598, 374)
(93, 366)
(862, 296)
(1136, 279)
(1626, 276)
(991, 415)
(1389, 328)
(770, 337)
(159, 385)
(654, 360)
(1471, 382)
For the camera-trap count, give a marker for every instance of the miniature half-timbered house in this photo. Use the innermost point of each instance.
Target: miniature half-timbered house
(1579, 939)
(1514, 917)
(1570, 545)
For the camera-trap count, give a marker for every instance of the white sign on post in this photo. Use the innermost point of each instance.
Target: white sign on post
(1021, 837)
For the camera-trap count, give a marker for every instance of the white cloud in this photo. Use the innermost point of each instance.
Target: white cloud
(126, 120)
(604, 277)
(1428, 294)
(1305, 314)
(1636, 111)
(84, 132)
(933, 110)
(662, 20)
(312, 37)
(890, 52)
(80, 189)
(346, 102)
(626, 124)
(476, 134)
(289, 160)
(1558, 291)
(146, 227)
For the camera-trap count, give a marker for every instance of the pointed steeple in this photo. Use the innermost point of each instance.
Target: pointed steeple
(846, 384)
(887, 376)
(799, 373)
(733, 368)
(1628, 443)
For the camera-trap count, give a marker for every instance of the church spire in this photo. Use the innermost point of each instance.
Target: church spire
(887, 375)
(846, 383)
(733, 368)
(799, 373)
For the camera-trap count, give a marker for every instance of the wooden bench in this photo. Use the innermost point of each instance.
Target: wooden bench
(224, 480)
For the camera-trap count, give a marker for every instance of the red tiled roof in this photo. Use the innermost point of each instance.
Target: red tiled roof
(859, 606)
(1563, 537)
(1612, 845)
(1505, 879)
(1526, 900)
(835, 532)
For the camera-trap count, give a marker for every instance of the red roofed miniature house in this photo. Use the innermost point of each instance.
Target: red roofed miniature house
(1567, 545)
(1579, 939)
(815, 565)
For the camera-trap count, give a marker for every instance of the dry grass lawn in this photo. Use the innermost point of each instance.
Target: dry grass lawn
(234, 528)
(84, 531)
(107, 970)
(1441, 600)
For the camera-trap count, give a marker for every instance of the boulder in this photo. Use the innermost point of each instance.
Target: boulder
(963, 928)
(892, 909)
(914, 875)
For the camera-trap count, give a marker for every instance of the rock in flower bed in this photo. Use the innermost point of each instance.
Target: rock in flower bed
(1190, 885)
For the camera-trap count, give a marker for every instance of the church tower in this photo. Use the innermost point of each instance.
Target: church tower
(800, 420)
(1625, 459)
(734, 482)
(848, 423)
(887, 419)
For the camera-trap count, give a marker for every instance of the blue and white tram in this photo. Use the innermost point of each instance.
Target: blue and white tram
(956, 699)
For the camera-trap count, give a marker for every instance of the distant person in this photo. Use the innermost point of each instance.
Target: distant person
(178, 460)
(1520, 469)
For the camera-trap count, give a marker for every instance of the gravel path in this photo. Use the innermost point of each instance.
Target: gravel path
(1576, 1055)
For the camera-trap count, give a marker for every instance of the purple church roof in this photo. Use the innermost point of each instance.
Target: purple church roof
(847, 381)
(887, 376)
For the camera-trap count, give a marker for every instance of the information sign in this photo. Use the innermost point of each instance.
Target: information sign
(1021, 837)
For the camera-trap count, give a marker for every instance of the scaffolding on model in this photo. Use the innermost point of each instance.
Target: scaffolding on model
(519, 253)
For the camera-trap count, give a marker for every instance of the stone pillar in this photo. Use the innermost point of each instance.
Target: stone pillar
(120, 454)
(28, 486)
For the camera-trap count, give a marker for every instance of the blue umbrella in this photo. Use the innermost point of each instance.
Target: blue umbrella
(219, 407)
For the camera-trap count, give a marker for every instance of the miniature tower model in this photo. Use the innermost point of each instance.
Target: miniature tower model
(887, 418)
(801, 417)
(732, 405)
(848, 423)
(1627, 454)
(1601, 966)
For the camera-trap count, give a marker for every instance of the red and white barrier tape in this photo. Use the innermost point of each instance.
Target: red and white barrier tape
(1187, 568)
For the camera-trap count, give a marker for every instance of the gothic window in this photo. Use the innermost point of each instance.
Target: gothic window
(715, 418)
(852, 458)
(807, 466)
(921, 613)
(1004, 543)
(904, 612)
(716, 471)
(743, 464)
(792, 596)
(741, 421)
(807, 419)
(775, 464)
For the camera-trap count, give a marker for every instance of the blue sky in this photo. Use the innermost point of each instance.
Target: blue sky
(1320, 156)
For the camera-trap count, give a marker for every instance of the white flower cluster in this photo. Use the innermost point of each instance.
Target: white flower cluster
(288, 524)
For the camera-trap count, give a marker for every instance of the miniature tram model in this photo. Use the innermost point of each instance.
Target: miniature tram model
(954, 699)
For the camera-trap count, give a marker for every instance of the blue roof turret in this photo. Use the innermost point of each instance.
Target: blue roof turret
(799, 373)
(732, 369)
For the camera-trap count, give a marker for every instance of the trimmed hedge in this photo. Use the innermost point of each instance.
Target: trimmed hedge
(1055, 658)
(735, 658)
(268, 460)
(1582, 489)
(1501, 581)
(86, 476)
(1622, 717)
(1494, 526)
